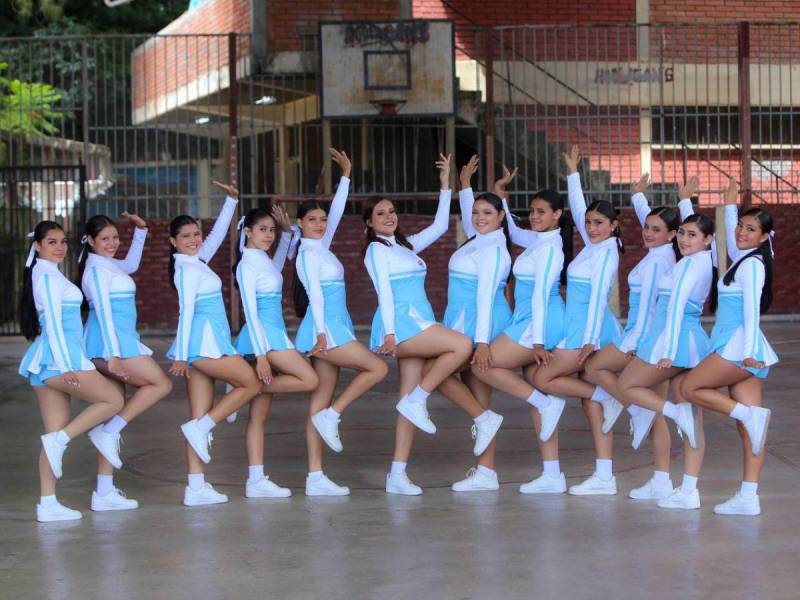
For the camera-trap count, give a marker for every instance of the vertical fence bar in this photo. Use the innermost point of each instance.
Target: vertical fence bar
(489, 108)
(233, 164)
(745, 118)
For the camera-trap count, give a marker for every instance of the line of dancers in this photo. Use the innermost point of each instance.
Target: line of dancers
(542, 351)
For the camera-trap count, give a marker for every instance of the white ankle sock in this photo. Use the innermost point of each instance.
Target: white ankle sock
(670, 410)
(105, 483)
(600, 395)
(487, 471)
(398, 467)
(661, 477)
(48, 500)
(689, 484)
(315, 475)
(115, 425)
(196, 480)
(255, 473)
(62, 438)
(483, 417)
(330, 414)
(205, 424)
(418, 395)
(741, 412)
(538, 399)
(602, 468)
(551, 468)
(749, 489)
(634, 410)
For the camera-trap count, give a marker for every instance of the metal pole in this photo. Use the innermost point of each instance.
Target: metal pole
(85, 102)
(745, 111)
(233, 165)
(489, 109)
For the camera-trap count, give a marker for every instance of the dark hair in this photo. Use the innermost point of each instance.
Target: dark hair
(174, 227)
(764, 251)
(28, 316)
(565, 224)
(605, 208)
(706, 227)
(369, 233)
(299, 294)
(250, 219)
(672, 219)
(497, 204)
(91, 230)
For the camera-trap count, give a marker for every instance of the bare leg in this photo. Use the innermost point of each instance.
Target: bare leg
(638, 384)
(603, 369)
(548, 449)
(692, 457)
(749, 392)
(150, 381)
(483, 394)
(701, 384)
(104, 398)
(556, 377)
(449, 349)
(371, 371)
(507, 356)
(235, 371)
(200, 392)
(457, 392)
(410, 371)
(295, 373)
(54, 406)
(328, 375)
(603, 442)
(259, 411)
(103, 466)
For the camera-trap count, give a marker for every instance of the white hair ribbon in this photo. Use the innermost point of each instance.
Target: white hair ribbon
(242, 236)
(84, 248)
(32, 251)
(771, 237)
(714, 257)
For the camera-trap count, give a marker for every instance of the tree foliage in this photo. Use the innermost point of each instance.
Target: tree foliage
(27, 108)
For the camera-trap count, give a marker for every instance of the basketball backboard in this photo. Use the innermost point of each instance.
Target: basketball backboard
(403, 68)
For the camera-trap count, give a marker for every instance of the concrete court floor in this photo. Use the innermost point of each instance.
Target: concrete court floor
(370, 545)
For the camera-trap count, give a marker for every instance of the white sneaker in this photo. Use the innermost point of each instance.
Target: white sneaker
(686, 423)
(198, 440)
(231, 418)
(612, 409)
(594, 486)
(652, 491)
(484, 433)
(56, 512)
(417, 413)
(264, 488)
(550, 416)
(204, 495)
(54, 452)
(477, 481)
(545, 485)
(677, 499)
(325, 487)
(399, 483)
(739, 505)
(756, 428)
(641, 425)
(328, 429)
(107, 444)
(113, 500)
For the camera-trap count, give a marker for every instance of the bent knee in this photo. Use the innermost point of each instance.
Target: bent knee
(381, 369)
(116, 401)
(463, 347)
(310, 381)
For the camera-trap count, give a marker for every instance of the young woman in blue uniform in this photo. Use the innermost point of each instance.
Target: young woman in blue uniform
(405, 327)
(202, 351)
(326, 331)
(740, 355)
(57, 367)
(111, 339)
(263, 338)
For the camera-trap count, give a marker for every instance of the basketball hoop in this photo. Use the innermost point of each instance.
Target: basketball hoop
(388, 106)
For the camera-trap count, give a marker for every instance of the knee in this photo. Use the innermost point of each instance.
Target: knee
(164, 386)
(381, 370)
(463, 348)
(251, 383)
(116, 401)
(310, 381)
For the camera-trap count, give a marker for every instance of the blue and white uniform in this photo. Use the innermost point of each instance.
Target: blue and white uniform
(538, 307)
(590, 276)
(322, 276)
(110, 329)
(261, 288)
(643, 284)
(736, 334)
(477, 275)
(398, 275)
(203, 328)
(59, 347)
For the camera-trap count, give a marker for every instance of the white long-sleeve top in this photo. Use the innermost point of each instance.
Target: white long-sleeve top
(104, 276)
(543, 260)
(193, 276)
(690, 281)
(393, 261)
(519, 236)
(315, 262)
(596, 263)
(257, 274)
(50, 290)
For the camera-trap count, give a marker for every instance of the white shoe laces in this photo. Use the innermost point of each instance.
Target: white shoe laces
(474, 431)
(210, 439)
(472, 473)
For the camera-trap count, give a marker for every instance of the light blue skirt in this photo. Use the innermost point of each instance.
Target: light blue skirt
(729, 325)
(519, 330)
(38, 364)
(413, 313)
(270, 313)
(210, 336)
(576, 314)
(123, 314)
(693, 343)
(338, 325)
(461, 313)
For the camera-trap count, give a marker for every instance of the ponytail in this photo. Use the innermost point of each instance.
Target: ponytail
(566, 226)
(28, 315)
(174, 227)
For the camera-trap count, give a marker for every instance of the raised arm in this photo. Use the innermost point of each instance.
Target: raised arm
(186, 282)
(287, 236)
(441, 221)
(685, 193)
(639, 200)
(465, 196)
(493, 264)
(100, 283)
(219, 231)
(247, 278)
(731, 195)
(519, 236)
(603, 274)
(340, 198)
(377, 261)
(577, 203)
(308, 269)
(647, 299)
(48, 293)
